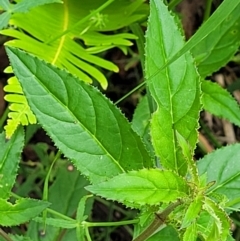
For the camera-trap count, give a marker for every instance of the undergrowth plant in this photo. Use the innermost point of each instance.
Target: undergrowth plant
(69, 34)
(177, 197)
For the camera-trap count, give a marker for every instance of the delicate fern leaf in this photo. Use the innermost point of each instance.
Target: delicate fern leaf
(9, 160)
(175, 89)
(60, 25)
(20, 112)
(143, 187)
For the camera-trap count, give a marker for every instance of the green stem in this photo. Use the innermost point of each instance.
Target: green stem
(5, 235)
(107, 224)
(3, 118)
(60, 215)
(158, 221)
(173, 4)
(87, 18)
(207, 11)
(45, 188)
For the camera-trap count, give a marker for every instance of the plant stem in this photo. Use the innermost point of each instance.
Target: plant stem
(107, 224)
(5, 235)
(94, 12)
(3, 118)
(159, 220)
(207, 10)
(173, 4)
(60, 215)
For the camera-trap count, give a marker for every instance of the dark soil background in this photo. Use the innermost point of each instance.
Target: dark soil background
(214, 132)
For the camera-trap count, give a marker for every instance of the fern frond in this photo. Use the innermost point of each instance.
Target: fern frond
(20, 112)
(69, 36)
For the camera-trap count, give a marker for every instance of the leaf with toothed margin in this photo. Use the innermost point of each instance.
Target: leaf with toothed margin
(84, 124)
(10, 152)
(22, 211)
(143, 187)
(175, 89)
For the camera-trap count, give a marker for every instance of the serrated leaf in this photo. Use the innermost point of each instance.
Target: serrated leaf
(26, 5)
(176, 89)
(219, 102)
(10, 152)
(192, 212)
(143, 187)
(20, 212)
(220, 16)
(85, 126)
(221, 219)
(19, 238)
(219, 46)
(223, 168)
(190, 233)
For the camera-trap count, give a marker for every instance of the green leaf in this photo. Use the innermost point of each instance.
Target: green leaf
(167, 233)
(62, 26)
(218, 18)
(5, 4)
(79, 119)
(143, 187)
(190, 233)
(223, 168)
(221, 225)
(4, 19)
(19, 238)
(21, 212)
(220, 45)
(25, 5)
(219, 102)
(10, 153)
(192, 212)
(176, 89)
(20, 112)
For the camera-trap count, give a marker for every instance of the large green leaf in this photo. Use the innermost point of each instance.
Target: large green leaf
(219, 102)
(85, 126)
(143, 187)
(10, 153)
(219, 46)
(20, 212)
(176, 89)
(62, 28)
(223, 168)
(218, 19)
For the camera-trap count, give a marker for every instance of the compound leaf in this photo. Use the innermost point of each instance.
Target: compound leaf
(176, 89)
(143, 187)
(219, 102)
(20, 112)
(85, 126)
(22, 211)
(9, 159)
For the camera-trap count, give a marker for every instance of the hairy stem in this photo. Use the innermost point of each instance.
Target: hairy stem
(158, 221)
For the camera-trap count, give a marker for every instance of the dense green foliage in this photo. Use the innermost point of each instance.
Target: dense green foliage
(177, 197)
